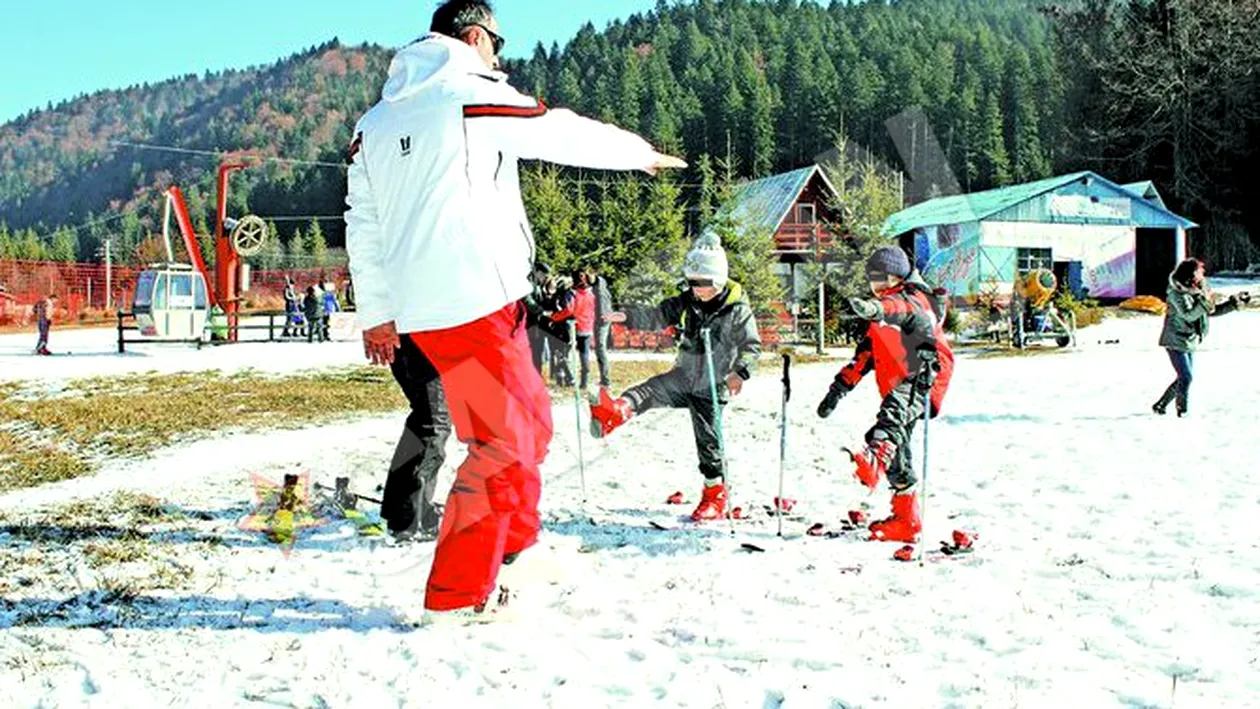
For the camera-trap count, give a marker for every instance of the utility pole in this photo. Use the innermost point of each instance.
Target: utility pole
(109, 277)
(822, 310)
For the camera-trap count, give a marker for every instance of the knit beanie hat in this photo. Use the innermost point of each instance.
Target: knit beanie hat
(707, 259)
(891, 260)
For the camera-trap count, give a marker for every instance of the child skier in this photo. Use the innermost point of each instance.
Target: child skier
(906, 347)
(43, 310)
(719, 306)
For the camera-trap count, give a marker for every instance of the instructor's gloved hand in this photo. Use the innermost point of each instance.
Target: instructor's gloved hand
(837, 392)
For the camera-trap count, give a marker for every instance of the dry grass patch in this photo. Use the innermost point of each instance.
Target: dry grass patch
(57, 438)
(114, 537)
(26, 461)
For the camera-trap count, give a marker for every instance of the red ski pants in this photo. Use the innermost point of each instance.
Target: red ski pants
(501, 409)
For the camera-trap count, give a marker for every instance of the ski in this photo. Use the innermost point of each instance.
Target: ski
(344, 503)
(962, 546)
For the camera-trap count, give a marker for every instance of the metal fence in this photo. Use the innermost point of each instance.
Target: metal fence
(83, 289)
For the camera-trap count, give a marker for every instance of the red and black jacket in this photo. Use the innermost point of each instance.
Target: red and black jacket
(908, 320)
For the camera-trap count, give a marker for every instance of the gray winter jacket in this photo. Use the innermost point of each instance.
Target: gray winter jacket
(1186, 320)
(732, 330)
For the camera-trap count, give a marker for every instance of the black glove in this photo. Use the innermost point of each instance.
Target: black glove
(929, 365)
(837, 392)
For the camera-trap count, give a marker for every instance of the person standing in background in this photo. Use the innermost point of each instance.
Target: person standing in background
(43, 312)
(603, 326)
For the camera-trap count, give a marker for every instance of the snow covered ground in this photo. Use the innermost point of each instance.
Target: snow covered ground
(1118, 561)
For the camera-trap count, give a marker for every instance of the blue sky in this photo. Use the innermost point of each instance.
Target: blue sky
(57, 49)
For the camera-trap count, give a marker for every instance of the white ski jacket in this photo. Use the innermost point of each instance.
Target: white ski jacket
(436, 231)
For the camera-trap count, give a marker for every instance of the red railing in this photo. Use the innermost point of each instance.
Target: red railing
(80, 287)
(802, 238)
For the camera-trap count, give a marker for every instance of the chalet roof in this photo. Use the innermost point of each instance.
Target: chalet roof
(762, 205)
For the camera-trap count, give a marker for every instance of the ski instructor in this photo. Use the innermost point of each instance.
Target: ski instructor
(441, 252)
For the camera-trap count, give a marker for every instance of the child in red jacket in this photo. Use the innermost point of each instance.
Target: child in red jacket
(906, 348)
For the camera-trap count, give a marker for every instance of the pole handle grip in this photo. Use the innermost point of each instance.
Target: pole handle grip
(787, 377)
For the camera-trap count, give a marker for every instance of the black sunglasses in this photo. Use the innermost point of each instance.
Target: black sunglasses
(496, 40)
(700, 282)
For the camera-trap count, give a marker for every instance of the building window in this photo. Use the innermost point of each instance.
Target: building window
(805, 214)
(1028, 260)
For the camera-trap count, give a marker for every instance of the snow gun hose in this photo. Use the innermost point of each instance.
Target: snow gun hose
(717, 425)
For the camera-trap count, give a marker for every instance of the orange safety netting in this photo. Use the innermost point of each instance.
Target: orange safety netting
(80, 288)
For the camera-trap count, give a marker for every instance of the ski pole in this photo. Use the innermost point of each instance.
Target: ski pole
(577, 419)
(717, 426)
(787, 394)
(927, 416)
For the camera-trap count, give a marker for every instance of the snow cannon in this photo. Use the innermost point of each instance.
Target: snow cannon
(1034, 316)
(1038, 287)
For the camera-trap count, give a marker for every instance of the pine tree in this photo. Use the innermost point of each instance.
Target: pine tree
(1030, 161)
(7, 247)
(272, 255)
(30, 248)
(865, 198)
(758, 139)
(550, 212)
(749, 251)
(647, 267)
(65, 246)
(631, 91)
(995, 163)
(295, 251)
(316, 245)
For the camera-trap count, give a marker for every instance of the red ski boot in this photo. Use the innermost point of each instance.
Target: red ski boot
(608, 413)
(712, 504)
(904, 525)
(872, 463)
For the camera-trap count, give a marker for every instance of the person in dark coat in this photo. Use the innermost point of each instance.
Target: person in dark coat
(313, 308)
(719, 306)
(560, 332)
(292, 314)
(1190, 304)
(537, 322)
(603, 326)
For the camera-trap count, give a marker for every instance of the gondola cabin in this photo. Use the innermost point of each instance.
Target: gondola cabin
(171, 303)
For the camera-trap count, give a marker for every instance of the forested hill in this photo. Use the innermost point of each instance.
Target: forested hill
(767, 83)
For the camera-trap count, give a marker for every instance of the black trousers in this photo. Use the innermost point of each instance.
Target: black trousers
(671, 390)
(407, 503)
(898, 414)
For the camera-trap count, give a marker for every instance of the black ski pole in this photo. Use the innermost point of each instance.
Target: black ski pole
(787, 394)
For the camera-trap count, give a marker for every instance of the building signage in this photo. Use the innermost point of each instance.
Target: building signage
(1082, 206)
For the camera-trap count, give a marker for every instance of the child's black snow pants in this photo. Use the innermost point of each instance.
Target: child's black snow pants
(672, 390)
(898, 414)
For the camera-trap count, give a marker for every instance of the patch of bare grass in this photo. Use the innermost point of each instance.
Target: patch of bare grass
(65, 436)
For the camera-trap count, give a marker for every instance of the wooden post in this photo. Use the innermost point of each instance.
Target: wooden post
(1180, 245)
(822, 310)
